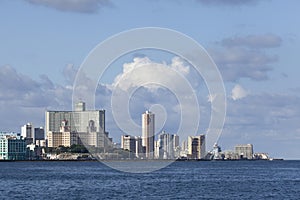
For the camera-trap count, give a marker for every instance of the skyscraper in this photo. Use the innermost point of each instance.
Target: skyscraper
(148, 128)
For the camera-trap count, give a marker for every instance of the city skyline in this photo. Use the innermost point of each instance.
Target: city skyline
(35, 144)
(255, 48)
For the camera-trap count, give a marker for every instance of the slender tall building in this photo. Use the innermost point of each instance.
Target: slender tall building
(148, 128)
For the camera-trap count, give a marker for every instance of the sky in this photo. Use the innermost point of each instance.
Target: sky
(255, 45)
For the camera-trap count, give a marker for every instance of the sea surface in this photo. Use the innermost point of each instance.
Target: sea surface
(180, 180)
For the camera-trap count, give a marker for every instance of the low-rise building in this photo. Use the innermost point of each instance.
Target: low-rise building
(132, 144)
(63, 138)
(244, 151)
(12, 147)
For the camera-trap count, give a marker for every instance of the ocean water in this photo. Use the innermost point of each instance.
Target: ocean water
(180, 180)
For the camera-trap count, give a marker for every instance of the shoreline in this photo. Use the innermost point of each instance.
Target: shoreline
(156, 160)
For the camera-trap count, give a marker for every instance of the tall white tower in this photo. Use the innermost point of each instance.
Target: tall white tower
(148, 128)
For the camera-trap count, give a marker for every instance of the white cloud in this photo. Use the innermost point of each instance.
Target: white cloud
(238, 92)
(160, 73)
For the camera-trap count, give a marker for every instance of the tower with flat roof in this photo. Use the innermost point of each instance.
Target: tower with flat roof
(148, 128)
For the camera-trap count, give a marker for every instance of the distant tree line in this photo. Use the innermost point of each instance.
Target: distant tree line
(75, 148)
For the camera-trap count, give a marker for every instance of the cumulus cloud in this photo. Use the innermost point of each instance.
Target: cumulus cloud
(157, 70)
(238, 92)
(83, 6)
(154, 83)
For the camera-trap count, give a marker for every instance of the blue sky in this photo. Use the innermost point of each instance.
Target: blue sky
(254, 43)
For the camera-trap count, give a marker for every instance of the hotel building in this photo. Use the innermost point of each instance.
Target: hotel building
(89, 125)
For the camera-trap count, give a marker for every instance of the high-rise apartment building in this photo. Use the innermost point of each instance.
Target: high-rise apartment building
(148, 128)
(196, 147)
(244, 151)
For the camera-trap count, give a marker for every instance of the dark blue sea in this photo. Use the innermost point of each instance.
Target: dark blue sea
(180, 180)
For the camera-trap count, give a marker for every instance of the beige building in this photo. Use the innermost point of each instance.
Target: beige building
(89, 126)
(196, 147)
(148, 129)
(244, 151)
(62, 138)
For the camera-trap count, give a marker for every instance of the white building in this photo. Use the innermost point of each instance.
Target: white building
(12, 147)
(166, 146)
(148, 128)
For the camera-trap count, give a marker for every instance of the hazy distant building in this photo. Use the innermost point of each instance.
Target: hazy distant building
(12, 147)
(196, 147)
(230, 155)
(128, 143)
(39, 137)
(92, 137)
(166, 145)
(244, 151)
(39, 134)
(184, 148)
(132, 144)
(148, 128)
(80, 106)
(27, 132)
(216, 152)
(88, 124)
(261, 156)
